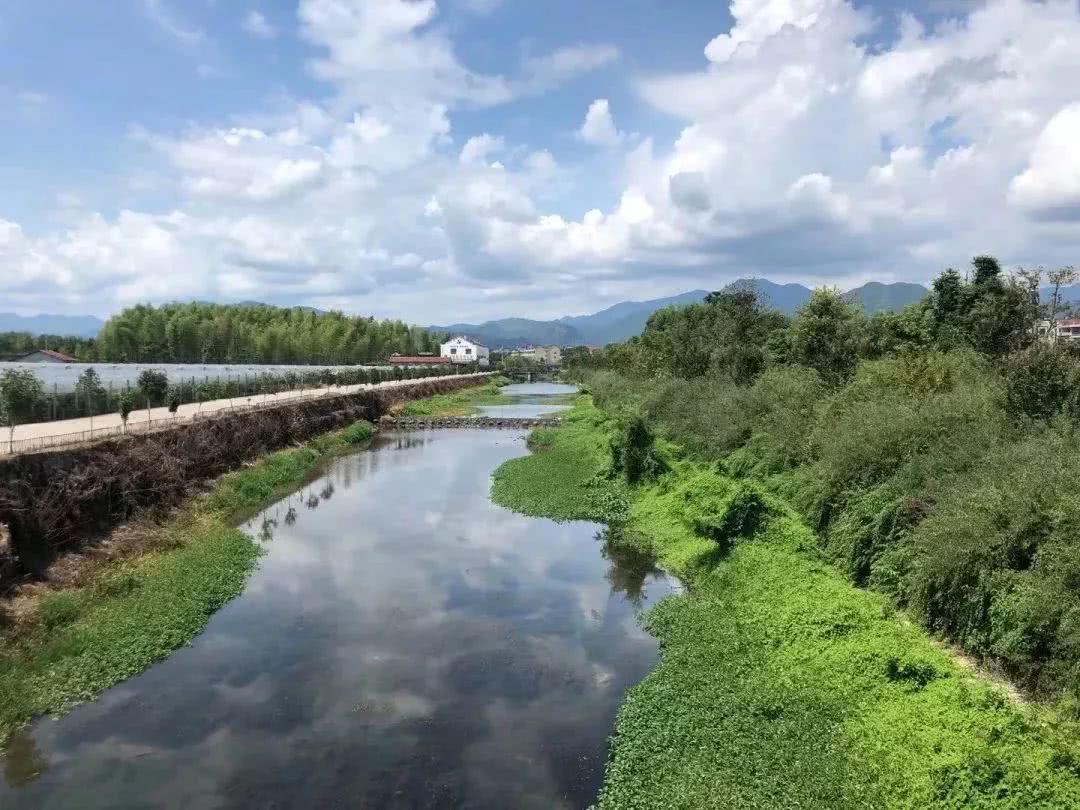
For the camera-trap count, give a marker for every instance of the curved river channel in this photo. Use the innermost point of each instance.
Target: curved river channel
(403, 643)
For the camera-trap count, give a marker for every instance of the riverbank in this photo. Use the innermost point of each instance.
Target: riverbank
(65, 641)
(66, 646)
(780, 684)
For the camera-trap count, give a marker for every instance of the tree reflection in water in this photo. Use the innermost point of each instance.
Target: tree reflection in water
(629, 568)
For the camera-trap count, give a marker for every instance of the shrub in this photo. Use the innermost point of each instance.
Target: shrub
(707, 416)
(997, 563)
(634, 453)
(740, 515)
(1039, 384)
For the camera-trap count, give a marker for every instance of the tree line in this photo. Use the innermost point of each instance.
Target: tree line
(934, 450)
(230, 333)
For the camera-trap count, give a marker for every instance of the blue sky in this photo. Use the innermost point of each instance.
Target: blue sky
(463, 159)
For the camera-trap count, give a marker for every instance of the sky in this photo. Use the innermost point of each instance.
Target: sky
(458, 160)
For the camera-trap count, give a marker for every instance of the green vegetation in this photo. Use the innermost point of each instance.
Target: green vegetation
(132, 613)
(780, 684)
(19, 393)
(931, 450)
(234, 333)
(255, 333)
(460, 403)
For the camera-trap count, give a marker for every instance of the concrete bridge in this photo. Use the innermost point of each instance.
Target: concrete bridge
(431, 422)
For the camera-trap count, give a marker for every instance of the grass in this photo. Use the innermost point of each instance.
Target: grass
(780, 684)
(460, 403)
(138, 611)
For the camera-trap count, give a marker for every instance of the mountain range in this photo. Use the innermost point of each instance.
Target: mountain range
(66, 325)
(615, 323)
(628, 318)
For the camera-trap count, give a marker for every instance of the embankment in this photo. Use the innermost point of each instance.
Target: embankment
(55, 502)
(780, 684)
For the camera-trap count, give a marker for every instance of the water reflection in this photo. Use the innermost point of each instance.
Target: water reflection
(23, 762)
(630, 568)
(532, 400)
(406, 645)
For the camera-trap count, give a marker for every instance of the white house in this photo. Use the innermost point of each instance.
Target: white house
(463, 350)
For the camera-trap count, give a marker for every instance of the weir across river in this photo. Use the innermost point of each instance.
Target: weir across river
(430, 422)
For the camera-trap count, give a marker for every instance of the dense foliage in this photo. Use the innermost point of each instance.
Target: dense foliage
(933, 450)
(779, 684)
(234, 333)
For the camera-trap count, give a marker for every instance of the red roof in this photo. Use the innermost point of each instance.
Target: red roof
(418, 360)
(63, 358)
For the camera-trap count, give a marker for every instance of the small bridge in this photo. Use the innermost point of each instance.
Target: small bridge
(431, 422)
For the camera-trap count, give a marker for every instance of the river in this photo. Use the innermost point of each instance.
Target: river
(404, 643)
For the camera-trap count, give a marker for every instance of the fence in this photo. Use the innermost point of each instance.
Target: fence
(219, 407)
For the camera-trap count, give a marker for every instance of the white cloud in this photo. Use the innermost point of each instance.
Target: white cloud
(599, 127)
(256, 24)
(803, 154)
(478, 147)
(567, 63)
(168, 20)
(1050, 186)
(244, 164)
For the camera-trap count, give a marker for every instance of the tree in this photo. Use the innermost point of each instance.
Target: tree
(20, 393)
(827, 334)
(1062, 277)
(174, 403)
(987, 273)
(89, 389)
(1029, 280)
(154, 385)
(126, 404)
(576, 357)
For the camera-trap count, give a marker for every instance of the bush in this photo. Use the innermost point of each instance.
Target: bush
(1039, 384)
(634, 452)
(997, 563)
(739, 516)
(707, 415)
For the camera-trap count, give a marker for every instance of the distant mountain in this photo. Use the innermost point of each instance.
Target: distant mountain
(65, 325)
(877, 297)
(623, 320)
(511, 332)
(628, 318)
(784, 297)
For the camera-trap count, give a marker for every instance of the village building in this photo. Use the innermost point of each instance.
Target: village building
(463, 350)
(548, 355)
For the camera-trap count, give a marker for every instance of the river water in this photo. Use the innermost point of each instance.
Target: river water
(404, 643)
